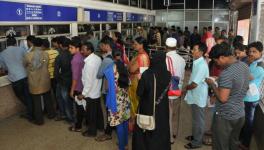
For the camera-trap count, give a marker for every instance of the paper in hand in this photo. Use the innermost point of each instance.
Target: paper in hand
(80, 102)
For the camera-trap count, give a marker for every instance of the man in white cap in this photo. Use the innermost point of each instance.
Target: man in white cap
(176, 65)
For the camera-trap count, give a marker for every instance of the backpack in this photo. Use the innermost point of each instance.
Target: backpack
(175, 80)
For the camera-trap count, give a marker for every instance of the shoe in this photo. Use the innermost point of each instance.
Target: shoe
(73, 129)
(58, 118)
(87, 134)
(38, 123)
(103, 138)
(26, 116)
(207, 140)
(51, 116)
(190, 146)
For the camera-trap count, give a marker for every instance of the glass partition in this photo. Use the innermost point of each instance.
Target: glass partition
(14, 30)
(51, 29)
(123, 2)
(205, 15)
(134, 3)
(191, 15)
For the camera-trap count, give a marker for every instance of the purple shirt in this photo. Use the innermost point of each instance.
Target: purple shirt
(77, 64)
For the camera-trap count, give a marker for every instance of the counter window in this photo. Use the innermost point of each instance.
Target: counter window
(51, 29)
(88, 27)
(15, 31)
(110, 26)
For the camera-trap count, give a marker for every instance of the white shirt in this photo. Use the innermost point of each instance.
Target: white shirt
(91, 85)
(178, 65)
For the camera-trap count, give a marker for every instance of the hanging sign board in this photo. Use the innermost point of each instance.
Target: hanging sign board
(11, 11)
(94, 15)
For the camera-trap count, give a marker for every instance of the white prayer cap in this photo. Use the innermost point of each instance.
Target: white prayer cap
(171, 42)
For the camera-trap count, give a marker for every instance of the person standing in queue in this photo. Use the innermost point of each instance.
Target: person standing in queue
(157, 74)
(63, 76)
(139, 62)
(233, 83)
(77, 64)
(36, 62)
(91, 92)
(197, 93)
(11, 59)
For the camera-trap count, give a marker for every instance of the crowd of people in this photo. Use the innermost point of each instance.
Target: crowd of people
(157, 36)
(71, 78)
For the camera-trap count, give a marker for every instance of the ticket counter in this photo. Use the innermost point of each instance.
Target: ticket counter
(9, 104)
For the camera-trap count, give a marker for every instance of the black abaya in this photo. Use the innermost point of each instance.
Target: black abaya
(158, 139)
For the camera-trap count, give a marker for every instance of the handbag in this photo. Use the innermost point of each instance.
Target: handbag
(147, 122)
(174, 84)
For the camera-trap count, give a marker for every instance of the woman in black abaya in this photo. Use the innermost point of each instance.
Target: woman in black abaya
(158, 139)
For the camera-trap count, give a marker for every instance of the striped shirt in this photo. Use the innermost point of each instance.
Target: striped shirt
(235, 78)
(52, 56)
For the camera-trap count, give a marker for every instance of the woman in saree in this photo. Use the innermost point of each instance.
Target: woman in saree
(140, 61)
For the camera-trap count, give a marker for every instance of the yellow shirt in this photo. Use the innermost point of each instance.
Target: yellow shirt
(52, 56)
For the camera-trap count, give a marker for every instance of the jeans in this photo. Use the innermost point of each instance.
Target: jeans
(198, 124)
(122, 135)
(226, 133)
(65, 103)
(249, 118)
(21, 91)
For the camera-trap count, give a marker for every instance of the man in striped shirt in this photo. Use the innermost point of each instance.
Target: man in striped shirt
(233, 84)
(52, 56)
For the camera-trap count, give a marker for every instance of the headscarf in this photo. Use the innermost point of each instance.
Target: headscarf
(159, 68)
(158, 63)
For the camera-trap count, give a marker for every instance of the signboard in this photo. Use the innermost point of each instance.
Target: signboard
(134, 17)
(11, 11)
(102, 15)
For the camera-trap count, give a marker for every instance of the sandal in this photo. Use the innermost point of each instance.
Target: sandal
(207, 141)
(73, 129)
(190, 146)
(189, 138)
(103, 138)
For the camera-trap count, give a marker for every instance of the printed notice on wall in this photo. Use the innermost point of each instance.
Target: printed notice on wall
(87, 16)
(33, 12)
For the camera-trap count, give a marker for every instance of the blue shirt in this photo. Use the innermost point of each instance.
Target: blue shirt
(200, 72)
(111, 92)
(257, 72)
(12, 60)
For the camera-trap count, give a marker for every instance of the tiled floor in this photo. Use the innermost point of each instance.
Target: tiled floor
(18, 134)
